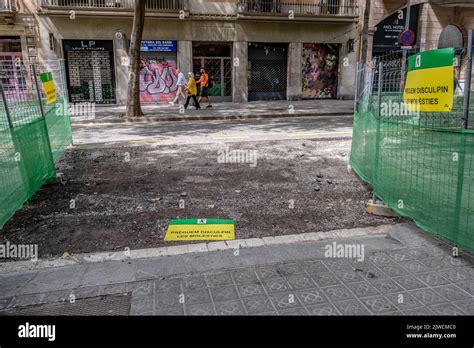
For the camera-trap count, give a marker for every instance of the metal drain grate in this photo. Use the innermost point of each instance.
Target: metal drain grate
(101, 305)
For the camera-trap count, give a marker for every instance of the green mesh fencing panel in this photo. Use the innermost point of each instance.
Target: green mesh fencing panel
(421, 166)
(29, 144)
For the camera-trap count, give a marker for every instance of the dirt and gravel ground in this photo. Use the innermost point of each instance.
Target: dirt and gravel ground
(108, 203)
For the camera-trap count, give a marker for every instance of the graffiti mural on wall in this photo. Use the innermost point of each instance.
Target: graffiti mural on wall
(157, 80)
(320, 68)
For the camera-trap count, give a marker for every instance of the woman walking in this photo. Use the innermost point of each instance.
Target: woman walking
(192, 91)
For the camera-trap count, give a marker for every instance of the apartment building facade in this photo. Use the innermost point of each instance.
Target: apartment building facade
(252, 49)
(436, 24)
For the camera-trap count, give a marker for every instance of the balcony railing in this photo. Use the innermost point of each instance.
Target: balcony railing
(7, 6)
(158, 5)
(347, 8)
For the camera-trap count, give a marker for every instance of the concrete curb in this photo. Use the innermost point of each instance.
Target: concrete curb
(147, 119)
(126, 255)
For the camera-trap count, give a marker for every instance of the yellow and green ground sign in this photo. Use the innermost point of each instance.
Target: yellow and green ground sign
(48, 86)
(200, 229)
(430, 81)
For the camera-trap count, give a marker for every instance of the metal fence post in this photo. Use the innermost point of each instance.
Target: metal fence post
(356, 94)
(467, 84)
(7, 110)
(40, 101)
(377, 134)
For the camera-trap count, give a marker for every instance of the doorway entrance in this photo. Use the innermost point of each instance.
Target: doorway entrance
(11, 64)
(216, 58)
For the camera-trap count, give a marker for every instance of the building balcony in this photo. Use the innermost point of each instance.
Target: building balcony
(7, 11)
(467, 3)
(110, 7)
(298, 8)
(333, 10)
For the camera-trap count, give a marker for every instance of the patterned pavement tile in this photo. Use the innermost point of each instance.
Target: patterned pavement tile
(467, 306)
(461, 260)
(195, 282)
(325, 279)
(468, 286)
(141, 288)
(289, 269)
(166, 299)
(432, 278)
(142, 305)
(409, 282)
(219, 279)
(285, 300)
(414, 266)
(233, 307)
(300, 281)
(337, 264)
(379, 304)
(223, 293)
(419, 254)
(379, 258)
(385, 286)
(452, 293)
(166, 311)
(323, 309)
(168, 285)
(400, 255)
(312, 267)
(200, 309)
(427, 296)
(276, 285)
(337, 293)
(393, 270)
(267, 272)
(348, 276)
(293, 311)
(351, 307)
(311, 297)
(249, 290)
(362, 289)
(418, 311)
(256, 305)
(435, 263)
(446, 309)
(196, 296)
(405, 301)
(244, 276)
(456, 274)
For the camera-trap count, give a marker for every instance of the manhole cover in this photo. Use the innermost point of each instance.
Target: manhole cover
(101, 305)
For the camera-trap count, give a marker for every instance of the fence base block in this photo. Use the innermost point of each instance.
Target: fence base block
(379, 209)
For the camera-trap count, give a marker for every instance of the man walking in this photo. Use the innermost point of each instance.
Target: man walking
(192, 91)
(181, 87)
(204, 84)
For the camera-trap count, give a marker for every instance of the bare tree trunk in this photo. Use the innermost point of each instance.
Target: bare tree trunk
(365, 33)
(133, 95)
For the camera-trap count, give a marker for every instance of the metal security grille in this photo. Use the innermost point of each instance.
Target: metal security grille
(112, 305)
(268, 71)
(267, 80)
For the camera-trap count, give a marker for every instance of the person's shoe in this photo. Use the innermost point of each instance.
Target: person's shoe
(209, 106)
(198, 108)
(171, 103)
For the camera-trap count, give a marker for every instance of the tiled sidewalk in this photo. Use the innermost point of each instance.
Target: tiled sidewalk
(409, 273)
(402, 282)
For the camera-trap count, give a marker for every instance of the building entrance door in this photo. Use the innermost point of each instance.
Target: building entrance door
(219, 70)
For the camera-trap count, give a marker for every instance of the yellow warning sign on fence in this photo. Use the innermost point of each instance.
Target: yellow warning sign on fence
(48, 86)
(430, 81)
(200, 229)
